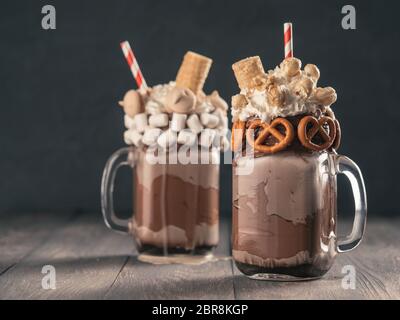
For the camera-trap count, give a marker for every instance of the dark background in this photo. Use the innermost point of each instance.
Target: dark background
(59, 119)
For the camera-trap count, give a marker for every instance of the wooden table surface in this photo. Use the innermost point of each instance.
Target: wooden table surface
(92, 262)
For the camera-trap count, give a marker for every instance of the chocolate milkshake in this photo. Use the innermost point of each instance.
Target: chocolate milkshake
(176, 206)
(284, 208)
(175, 132)
(284, 215)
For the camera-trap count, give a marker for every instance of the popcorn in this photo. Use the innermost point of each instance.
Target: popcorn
(282, 92)
(324, 96)
(275, 96)
(291, 67)
(303, 87)
(312, 71)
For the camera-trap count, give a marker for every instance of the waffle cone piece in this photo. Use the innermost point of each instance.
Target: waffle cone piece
(193, 72)
(246, 70)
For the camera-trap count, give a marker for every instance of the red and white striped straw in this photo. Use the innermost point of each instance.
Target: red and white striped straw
(133, 65)
(288, 39)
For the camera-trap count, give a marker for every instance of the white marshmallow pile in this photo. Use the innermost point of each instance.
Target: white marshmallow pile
(206, 125)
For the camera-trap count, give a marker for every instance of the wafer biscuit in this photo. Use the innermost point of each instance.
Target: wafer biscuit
(246, 70)
(193, 72)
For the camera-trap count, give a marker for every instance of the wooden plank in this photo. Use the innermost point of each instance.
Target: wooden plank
(93, 262)
(377, 262)
(212, 280)
(87, 258)
(377, 265)
(21, 233)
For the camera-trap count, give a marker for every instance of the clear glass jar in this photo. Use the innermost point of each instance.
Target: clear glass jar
(285, 213)
(175, 204)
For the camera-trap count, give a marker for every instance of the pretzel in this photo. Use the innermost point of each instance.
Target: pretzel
(338, 138)
(238, 129)
(270, 130)
(306, 136)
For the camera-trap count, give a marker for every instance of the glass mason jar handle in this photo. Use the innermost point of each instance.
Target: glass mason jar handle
(118, 159)
(344, 165)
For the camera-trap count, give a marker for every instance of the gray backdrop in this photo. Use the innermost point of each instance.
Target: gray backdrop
(60, 121)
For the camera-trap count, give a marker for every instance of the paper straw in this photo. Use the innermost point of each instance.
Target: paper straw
(133, 65)
(288, 39)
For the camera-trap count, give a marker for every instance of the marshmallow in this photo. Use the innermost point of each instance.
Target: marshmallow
(127, 139)
(151, 135)
(129, 122)
(187, 137)
(207, 137)
(194, 123)
(133, 137)
(159, 120)
(220, 114)
(167, 139)
(223, 131)
(178, 122)
(221, 142)
(223, 121)
(140, 122)
(223, 127)
(209, 120)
